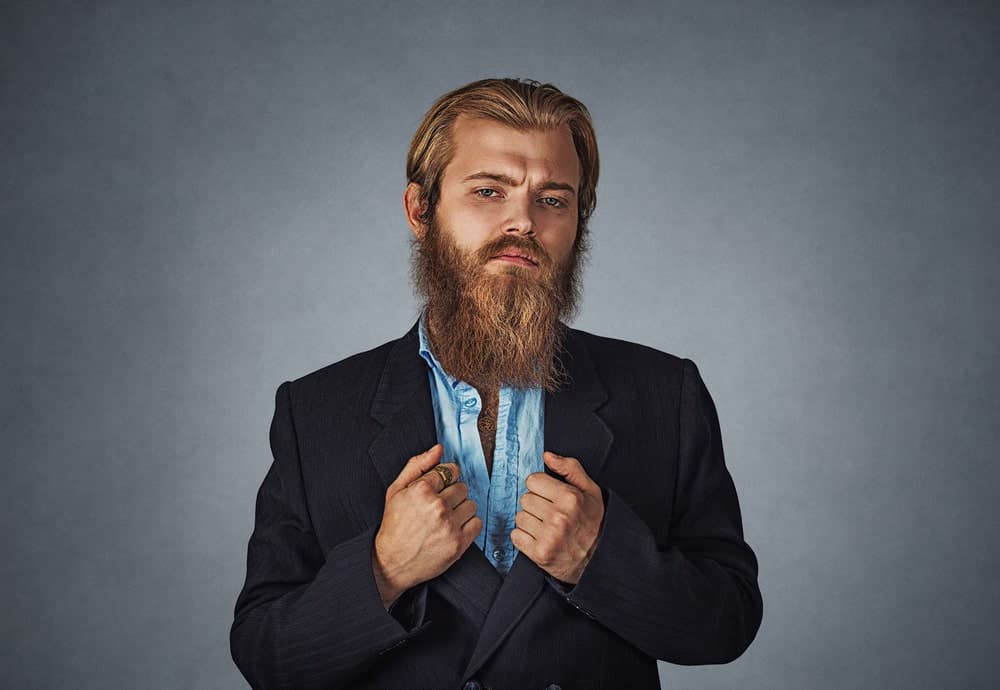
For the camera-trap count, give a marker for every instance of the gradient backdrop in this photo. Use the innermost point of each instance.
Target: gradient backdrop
(201, 200)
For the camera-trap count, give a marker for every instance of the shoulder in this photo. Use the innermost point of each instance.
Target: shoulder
(610, 354)
(348, 381)
(621, 365)
(637, 376)
(348, 369)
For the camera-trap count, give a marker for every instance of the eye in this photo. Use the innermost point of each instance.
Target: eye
(552, 202)
(487, 193)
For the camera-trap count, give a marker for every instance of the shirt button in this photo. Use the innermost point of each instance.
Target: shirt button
(471, 402)
(472, 685)
(497, 554)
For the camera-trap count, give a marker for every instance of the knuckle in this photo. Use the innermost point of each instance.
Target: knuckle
(560, 521)
(440, 508)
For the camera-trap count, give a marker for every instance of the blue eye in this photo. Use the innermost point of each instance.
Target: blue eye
(552, 201)
(487, 192)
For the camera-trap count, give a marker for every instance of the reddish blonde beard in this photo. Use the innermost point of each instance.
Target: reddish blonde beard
(491, 329)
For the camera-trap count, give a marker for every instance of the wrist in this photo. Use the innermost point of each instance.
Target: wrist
(388, 580)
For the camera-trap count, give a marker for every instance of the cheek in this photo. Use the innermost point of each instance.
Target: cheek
(470, 228)
(559, 243)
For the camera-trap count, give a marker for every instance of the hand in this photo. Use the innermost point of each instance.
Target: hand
(560, 521)
(426, 526)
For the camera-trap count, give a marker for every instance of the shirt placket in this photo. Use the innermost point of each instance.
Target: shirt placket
(503, 479)
(468, 405)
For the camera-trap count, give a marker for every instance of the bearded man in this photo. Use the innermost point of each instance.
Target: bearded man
(496, 500)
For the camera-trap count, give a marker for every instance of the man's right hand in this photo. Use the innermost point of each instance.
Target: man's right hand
(426, 526)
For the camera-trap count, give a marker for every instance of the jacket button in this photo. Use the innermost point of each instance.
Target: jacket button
(472, 685)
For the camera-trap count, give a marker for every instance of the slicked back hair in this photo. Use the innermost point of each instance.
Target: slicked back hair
(523, 104)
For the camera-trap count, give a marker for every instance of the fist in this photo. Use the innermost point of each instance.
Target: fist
(426, 526)
(559, 521)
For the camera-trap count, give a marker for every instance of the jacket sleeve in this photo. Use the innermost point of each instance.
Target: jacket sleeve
(307, 619)
(689, 596)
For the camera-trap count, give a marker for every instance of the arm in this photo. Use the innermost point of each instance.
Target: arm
(306, 619)
(691, 598)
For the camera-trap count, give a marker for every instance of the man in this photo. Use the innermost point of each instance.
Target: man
(495, 500)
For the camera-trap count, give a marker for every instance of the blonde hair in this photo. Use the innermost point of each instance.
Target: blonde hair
(524, 104)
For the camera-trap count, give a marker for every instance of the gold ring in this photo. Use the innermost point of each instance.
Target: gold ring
(445, 474)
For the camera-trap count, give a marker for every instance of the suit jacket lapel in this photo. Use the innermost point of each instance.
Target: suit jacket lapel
(403, 407)
(572, 428)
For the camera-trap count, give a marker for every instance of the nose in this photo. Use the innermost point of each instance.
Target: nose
(520, 221)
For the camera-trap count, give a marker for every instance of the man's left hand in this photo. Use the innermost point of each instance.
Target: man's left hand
(559, 522)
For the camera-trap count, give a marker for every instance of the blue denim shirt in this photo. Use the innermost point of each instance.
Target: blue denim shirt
(518, 450)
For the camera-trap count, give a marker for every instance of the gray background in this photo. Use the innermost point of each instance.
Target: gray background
(200, 200)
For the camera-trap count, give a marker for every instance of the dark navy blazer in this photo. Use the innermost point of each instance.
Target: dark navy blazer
(671, 577)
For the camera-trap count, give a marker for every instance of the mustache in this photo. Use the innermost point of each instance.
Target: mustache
(528, 245)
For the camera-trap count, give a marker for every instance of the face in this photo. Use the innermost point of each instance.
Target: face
(502, 182)
(496, 262)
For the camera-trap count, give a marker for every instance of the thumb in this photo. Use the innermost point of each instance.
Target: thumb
(570, 469)
(416, 466)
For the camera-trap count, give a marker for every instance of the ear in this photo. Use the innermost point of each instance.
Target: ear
(414, 210)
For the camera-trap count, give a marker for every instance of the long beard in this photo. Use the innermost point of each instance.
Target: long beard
(492, 329)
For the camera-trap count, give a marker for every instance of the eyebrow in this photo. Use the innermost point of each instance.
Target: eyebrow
(507, 180)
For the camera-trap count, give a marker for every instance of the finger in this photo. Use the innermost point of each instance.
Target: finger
(416, 466)
(563, 495)
(570, 469)
(541, 508)
(523, 541)
(436, 480)
(528, 523)
(456, 493)
(464, 512)
(472, 528)
(546, 486)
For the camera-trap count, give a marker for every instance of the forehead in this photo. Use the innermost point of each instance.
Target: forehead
(482, 144)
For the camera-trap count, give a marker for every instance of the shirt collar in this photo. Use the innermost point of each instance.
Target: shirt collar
(428, 355)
